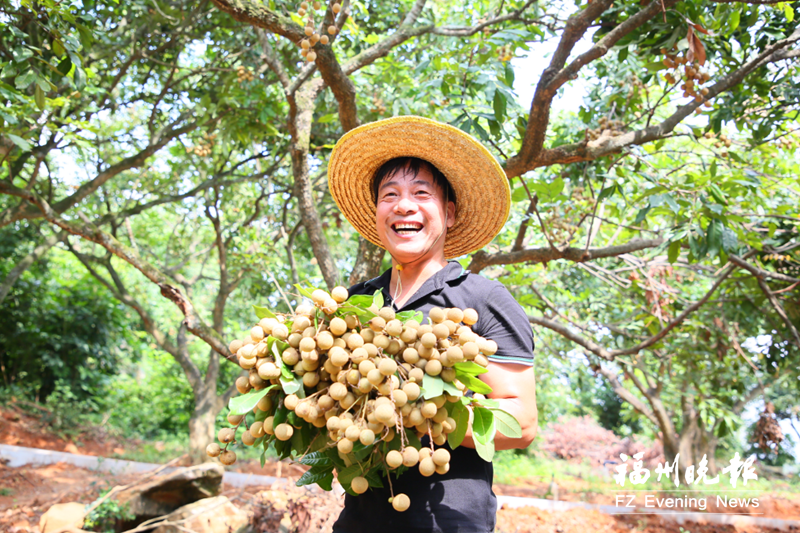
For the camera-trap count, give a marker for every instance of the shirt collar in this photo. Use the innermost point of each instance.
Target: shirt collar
(451, 272)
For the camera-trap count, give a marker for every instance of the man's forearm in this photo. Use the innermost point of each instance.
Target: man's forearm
(528, 422)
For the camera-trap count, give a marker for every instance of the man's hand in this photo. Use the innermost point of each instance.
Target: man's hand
(515, 387)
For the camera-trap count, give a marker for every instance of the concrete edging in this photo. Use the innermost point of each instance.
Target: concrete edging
(18, 456)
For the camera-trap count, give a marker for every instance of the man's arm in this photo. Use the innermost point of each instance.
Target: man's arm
(515, 387)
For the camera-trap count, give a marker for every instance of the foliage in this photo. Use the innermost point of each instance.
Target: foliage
(106, 517)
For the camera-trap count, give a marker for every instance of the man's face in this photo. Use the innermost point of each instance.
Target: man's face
(411, 215)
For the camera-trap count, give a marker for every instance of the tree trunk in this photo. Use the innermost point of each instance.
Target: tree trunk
(368, 262)
(201, 425)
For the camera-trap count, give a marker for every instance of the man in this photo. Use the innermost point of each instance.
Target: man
(427, 192)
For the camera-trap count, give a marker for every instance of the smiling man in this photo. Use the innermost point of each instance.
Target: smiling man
(427, 192)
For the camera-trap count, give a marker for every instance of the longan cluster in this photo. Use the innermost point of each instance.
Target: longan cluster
(606, 128)
(504, 53)
(722, 141)
(362, 377)
(692, 75)
(788, 142)
(378, 105)
(312, 37)
(244, 74)
(203, 148)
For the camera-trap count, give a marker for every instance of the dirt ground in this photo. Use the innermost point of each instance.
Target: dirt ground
(27, 492)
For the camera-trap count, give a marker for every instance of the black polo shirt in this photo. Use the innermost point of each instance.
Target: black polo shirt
(461, 501)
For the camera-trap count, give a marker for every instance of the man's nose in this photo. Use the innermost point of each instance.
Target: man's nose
(405, 205)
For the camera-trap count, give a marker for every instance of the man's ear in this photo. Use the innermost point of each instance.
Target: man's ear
(451, 214)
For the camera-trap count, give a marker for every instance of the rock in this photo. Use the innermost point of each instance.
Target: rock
(212, 515)
(61, 516)
(71, 448)
(164, 494)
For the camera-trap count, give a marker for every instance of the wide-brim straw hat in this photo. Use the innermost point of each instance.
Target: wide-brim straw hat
(483, 196)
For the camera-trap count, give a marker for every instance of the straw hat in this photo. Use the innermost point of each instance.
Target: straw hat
(483, 196)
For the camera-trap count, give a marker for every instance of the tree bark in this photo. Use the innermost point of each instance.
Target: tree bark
(368, 262)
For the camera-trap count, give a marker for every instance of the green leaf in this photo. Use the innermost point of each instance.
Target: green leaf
(519, 194)
(19, 141)
(469, 367)
(674, 251)
(263, 312)
(483, 425)
(24, 80)
(458, 412)
(607, 192)
(346, 476)
(80, 78)
(714, 237)
(21, 54)
(377, 299)
(286, 372)
(405, 316)
(474, 384)
(717, 194)
(485, 450)
(241, 405)
(38, 97)
(433, 387)
(788, 11)
(507, 424)
(499, 106)
(451, 389)
(315, 475)
(64, 66)
(509, 75)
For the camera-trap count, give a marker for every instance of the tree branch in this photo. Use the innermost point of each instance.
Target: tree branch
(482, 259)
(773, 300)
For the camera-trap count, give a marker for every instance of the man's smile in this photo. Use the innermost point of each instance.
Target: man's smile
(407, 228)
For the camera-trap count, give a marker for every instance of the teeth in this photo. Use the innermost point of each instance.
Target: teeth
(399, 227)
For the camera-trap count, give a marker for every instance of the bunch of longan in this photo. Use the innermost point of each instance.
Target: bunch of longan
(312, 37)
(358, 379)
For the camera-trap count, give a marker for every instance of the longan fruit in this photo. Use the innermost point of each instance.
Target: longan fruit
(455, 314)
(355, 341)
(352, 321)
(291, 401)
(358, 355)
(248, 439)
(324, 341)
(325, 402)
(366, 437)
(409, 335)
(284, 432)
(481, 360)
(417, 374)
(386, 313)
(412, 391)
(429, 409)
(307, 344)
(333, 423)
(310, 379)
(226, 435)
(280, 332)
(256, 429)
(441, 415)
(437, 315)
(348, 400)
(443, 469)
(488, 347)
(433, 368)
(455, 354)
(243, 385)
(441, 457)
(440, 440)
(393, 459)
(337, 391)
(227, 457)
(415, 417)
(365, 367)
(439, 401)
(329, 306)
(367, 334)
(234, 419)
(387, 367)
(394, 328)
(470, 350)
(359, 485)
(400, 397)
(377, 324)
(337, 326)
(268, 426)
(352, 433)
(410, 456)
(364, 385)
(384, 413)
(410, 355)
(427, 467)
(235, 346)
(213, 450)
(318, 296)
(339, 293)
(381, 341)
(374, 377)
(441, 331)
(345, 446)
(428, 340)
(448, 375)
(401, 502)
